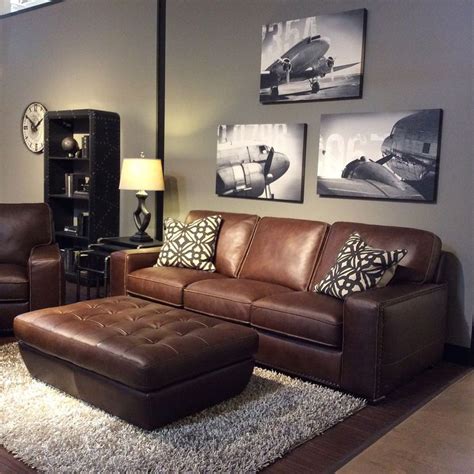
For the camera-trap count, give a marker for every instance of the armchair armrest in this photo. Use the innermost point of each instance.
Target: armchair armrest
(124, 262)
(46, 276)
(390, 334)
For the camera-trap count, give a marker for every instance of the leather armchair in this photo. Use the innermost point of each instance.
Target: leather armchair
(31, 270)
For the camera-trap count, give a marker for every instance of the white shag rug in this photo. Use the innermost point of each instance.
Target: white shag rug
(54, 432)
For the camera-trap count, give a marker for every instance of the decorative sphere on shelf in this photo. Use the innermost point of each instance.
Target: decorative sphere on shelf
(70, 146)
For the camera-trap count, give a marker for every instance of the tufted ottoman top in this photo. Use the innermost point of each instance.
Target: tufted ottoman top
(144, 345)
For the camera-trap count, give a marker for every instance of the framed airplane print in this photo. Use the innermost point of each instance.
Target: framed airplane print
(261, 161)
(314, 58)
(391, 155)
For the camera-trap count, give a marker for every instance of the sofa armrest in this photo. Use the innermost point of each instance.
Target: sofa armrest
(390, 334)
(124, 262)
(46, 277)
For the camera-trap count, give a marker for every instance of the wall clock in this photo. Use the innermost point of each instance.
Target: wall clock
(32, 127)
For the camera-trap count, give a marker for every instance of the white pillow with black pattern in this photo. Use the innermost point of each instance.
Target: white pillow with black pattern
(190, 245)
(359, 267)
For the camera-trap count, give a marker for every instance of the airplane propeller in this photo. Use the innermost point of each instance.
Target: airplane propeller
(268, 163)
(287, 66)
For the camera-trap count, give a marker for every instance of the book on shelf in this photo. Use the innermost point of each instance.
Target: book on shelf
(85, 147)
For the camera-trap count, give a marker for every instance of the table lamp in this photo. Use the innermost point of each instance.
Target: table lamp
(142, 174)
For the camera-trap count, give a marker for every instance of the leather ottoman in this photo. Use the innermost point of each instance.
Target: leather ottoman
(144, 362)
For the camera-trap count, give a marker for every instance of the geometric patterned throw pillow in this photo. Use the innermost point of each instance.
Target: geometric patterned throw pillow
(358, 267)
(190, 245)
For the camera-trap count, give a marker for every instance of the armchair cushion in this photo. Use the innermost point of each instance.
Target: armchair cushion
(13, 283)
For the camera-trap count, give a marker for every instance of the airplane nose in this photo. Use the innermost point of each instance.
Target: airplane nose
(325, 41)
(387, 145)
(280, 165)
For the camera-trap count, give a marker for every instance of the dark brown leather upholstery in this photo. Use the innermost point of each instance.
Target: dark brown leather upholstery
(284, 251)
(391, 334)
(146, 347)
(149, 410)
(233, 240)
(228, 298)
(46, 277)
(367, 345)
(165, 284)
(127, 261)
(31, 273)
(419, 264)
(302, 315)
(14, 285)
(8, 311)
(23, 227)
(304, 359)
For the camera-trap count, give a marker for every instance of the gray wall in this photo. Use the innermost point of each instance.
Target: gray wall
(418, 55)
(77, 54)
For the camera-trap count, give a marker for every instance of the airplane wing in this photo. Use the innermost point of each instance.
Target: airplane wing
(343, 66)
(364, 188)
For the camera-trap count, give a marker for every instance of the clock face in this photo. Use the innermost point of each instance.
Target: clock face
(32, 127)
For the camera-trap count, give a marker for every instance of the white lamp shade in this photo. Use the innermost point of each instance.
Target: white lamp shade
(142, 174)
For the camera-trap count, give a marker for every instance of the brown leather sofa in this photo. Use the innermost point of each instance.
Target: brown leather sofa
(31, 273)
(367, 344)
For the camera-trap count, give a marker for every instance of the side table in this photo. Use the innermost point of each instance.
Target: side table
(95, 261)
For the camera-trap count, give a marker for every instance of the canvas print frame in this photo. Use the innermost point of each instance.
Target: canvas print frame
(316, 58)
(391, 156)
(261, 161)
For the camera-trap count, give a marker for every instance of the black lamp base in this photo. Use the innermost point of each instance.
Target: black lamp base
(141, 217)
(141, 237)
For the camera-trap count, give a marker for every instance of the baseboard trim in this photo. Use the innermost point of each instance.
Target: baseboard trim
(458, 354)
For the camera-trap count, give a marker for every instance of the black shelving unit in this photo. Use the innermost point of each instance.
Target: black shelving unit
(101, 204)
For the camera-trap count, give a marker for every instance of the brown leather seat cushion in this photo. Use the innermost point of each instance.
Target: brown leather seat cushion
(13, 282)
(302, 315)
(144, 345)
(165, 284)
(228, 298)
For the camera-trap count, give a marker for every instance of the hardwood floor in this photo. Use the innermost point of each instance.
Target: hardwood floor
(437, 438)
(336, 446)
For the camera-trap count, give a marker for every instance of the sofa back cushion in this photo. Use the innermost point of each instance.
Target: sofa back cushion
(417, 266)
(22, 227)
(284, 251)
(233, 240)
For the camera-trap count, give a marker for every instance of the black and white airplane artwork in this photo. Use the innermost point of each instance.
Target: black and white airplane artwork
(406, 170)
(306, 60)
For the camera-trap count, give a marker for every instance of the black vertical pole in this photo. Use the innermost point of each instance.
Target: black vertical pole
(160, 85)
